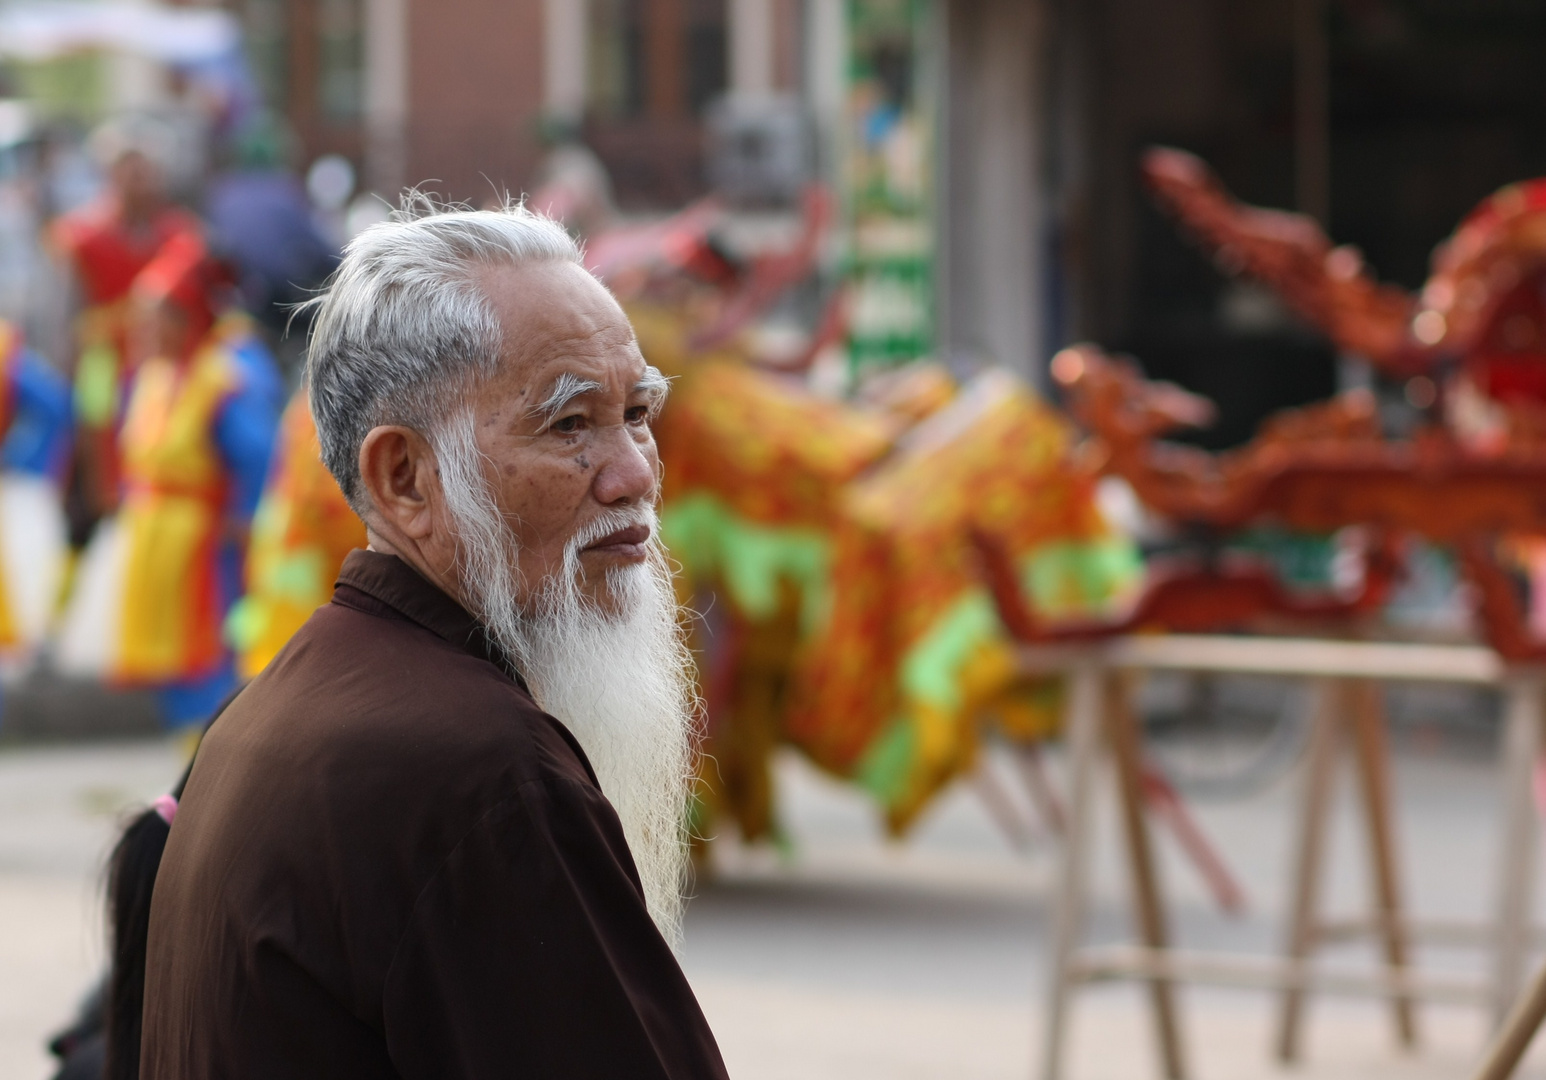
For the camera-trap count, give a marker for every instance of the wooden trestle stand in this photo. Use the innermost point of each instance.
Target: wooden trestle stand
(1346, 678)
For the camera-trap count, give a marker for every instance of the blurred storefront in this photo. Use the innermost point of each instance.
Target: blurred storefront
(460, 90)
(309, 60)
(949, 258)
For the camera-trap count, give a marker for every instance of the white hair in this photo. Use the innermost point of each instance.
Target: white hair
(620, 680)
(403, 331)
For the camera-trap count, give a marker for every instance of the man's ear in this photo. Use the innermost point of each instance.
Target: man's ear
(397, 470)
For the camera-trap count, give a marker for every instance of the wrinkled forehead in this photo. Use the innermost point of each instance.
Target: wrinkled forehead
(554, 307)
(552, 298)
(564, 336)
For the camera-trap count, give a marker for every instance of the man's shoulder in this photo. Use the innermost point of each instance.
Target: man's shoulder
(334, 788)
(388, 700)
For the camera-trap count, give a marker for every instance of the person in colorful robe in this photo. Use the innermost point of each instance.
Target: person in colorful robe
(34, 410)
(35, 434)
(107, 243)
(303, 529)
(195, 440)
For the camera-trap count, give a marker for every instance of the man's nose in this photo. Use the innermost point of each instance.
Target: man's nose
(628, 473)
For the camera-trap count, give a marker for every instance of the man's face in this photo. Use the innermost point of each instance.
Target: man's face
(159, 328)
(565, 424)
(137, 182)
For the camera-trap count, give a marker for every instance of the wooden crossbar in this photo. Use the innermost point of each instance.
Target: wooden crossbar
(1387, 661)
(1121, 962)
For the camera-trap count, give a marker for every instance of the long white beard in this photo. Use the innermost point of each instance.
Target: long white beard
(620, 681)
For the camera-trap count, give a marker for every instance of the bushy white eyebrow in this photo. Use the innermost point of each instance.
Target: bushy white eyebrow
(566, 388)
(655, 386)
(569, 386)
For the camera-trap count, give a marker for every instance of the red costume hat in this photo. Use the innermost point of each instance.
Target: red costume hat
(184, 273)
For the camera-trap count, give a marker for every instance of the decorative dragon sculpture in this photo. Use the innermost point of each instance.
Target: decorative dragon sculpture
(1473, 473)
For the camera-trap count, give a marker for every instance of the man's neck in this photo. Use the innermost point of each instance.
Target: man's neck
(137, 215)
(444, 580)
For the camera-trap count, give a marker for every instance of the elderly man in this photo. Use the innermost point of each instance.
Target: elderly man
(441, 835)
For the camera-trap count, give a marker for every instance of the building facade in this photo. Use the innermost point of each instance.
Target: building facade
(455, 93)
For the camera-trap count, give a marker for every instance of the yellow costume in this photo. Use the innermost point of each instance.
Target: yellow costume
(301, 532)
(173, 516)
(10, 356)
(107, 253)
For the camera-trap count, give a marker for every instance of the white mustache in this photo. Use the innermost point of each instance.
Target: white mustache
(608, 522)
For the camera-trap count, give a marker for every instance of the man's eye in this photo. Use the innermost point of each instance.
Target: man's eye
(568, 425)
(639, 414)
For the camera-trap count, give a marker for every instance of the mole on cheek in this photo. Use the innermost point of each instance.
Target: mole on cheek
(583, 462)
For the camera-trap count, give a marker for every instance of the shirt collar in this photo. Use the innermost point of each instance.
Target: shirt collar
(397, 585)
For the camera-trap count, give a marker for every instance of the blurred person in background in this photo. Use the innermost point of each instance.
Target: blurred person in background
(303, 530)
(21, 256)
(443, 832)
(329, 186)
(35, 410)
(107, 243)
(35, 432)
(67, 176)
(155, 587)
(571, 184)
(262, 223)
(56, 176)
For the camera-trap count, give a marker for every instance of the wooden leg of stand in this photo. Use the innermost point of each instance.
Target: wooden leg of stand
(1372, 753)
(1514, 1038)
(1521, 746)
(1001, 808)
(1082, 735)
(1126, 752)
(1039, 787)
(1320, 770)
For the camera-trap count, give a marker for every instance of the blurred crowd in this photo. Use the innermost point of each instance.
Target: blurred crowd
(152, 286)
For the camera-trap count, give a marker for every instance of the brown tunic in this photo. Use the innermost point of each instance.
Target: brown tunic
(388, 862)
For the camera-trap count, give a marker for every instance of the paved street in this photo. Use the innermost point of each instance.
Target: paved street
(851, 957)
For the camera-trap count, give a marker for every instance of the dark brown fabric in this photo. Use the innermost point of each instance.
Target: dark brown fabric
(388, 862)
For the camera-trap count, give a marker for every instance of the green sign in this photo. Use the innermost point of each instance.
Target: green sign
(889, 181)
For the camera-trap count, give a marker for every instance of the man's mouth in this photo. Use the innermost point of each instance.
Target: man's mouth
(624, 543)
